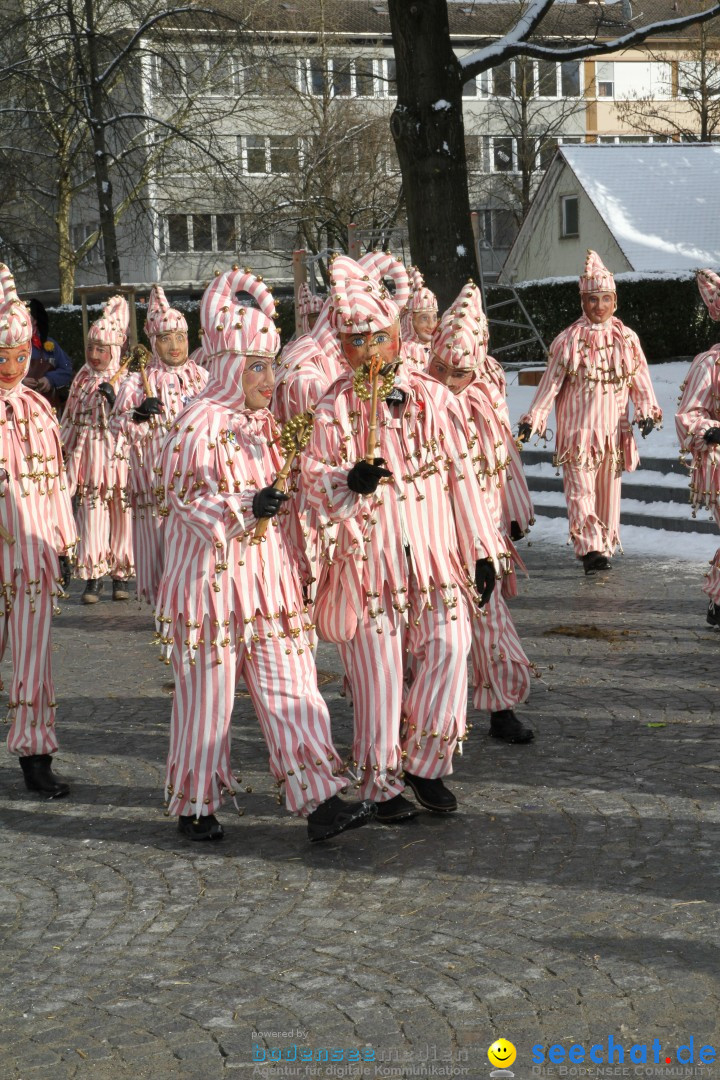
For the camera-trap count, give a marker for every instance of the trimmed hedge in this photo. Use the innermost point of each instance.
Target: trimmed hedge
(66, 324)
(666, 313)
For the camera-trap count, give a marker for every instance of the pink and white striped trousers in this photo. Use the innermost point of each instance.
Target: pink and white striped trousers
(501, 670)
(593, 504)
(282, 681)
(105, 537)
(415, 727)
(148, 527)
(712, 578)
(31, 708)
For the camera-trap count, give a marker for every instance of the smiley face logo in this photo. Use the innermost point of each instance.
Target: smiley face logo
(502, 1054)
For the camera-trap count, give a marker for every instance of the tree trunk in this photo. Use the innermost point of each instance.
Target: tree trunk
(66, 252)
(103, 183)
(427, 126)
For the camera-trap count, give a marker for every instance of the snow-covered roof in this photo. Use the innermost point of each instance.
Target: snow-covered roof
(660, 201)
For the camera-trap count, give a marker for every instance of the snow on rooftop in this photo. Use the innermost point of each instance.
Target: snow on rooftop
(658, 200)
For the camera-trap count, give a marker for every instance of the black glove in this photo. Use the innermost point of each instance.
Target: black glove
(364, 478)
(712, 435)
(646, 426)
(149, 406)
(516, 532)
(267, 502)
(484, 580)
(105, 390)
(524, 432)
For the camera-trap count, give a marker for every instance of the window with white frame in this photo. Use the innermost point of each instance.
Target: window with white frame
(199, 232)
(694, 78)
(619, 139)
(261, 155)
(526, 78)
(499, 227)
(547, 147)
(502, 156)
(605, 79)
(269, 76)
(206, 73)
(569, 216)
(343, 76)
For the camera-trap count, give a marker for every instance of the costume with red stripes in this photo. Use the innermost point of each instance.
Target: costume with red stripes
(97, 473)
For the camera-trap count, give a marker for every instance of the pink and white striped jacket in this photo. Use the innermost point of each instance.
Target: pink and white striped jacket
(215, 460)
(142, 443)
(431, 505)
(93, 464)
(34, 500)
(592, 373)
(698, 411)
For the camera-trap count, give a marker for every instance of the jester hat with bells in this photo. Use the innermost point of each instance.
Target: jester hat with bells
(709, 286)
(460, 337)
(596, 278)
(383, 264)
(15, 320)
(359, 302)
(111, 329)
(161, 318)
(421, 299)
(308, 303)
(231, 332)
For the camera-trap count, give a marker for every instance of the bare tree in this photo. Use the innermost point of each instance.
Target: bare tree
(689, 108)
(427, 123)
(85, 116)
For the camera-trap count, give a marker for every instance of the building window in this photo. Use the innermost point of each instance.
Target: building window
(569, 216)
(348, 77)
(605, 77)
(499, 227)
(364, 77)
(264, 154)
(471, 88)
(570, 79)
(200, 232)
(502, 80)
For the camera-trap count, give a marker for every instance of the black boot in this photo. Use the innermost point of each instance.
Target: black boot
(37, 770)
(93, 588)
(335, 816)
(120, 589)
(65, 571)
(432, 794)
(396, 809)
(505, 725)
(713, 614)
(594, 561)
(206, 827)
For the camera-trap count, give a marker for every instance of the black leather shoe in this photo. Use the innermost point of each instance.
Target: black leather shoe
(120, 590)
(206, 827)
(93, 588)
(37, 770)
(505, 725)
(335, 816)
(432, 794)
(396, 809)
(713, 614)
(594, 561)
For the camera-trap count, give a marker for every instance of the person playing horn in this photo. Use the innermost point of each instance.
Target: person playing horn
(36, 523)
(97, 473)
(415, 544)
(595, 368)
(147, 406)
(231, 607)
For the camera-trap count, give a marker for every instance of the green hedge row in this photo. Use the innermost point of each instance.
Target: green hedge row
(66, 324)
(667, 314)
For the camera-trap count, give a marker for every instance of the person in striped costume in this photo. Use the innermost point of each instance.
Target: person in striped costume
(143, 415)
(698, 428)
(36, 524)
(595, 368)
(418, 320)
(309, 307)
(230, 605)
(97, 474)
(501, 670)
(415, 544)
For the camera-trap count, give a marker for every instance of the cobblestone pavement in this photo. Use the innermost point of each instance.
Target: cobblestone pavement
(575, 896)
